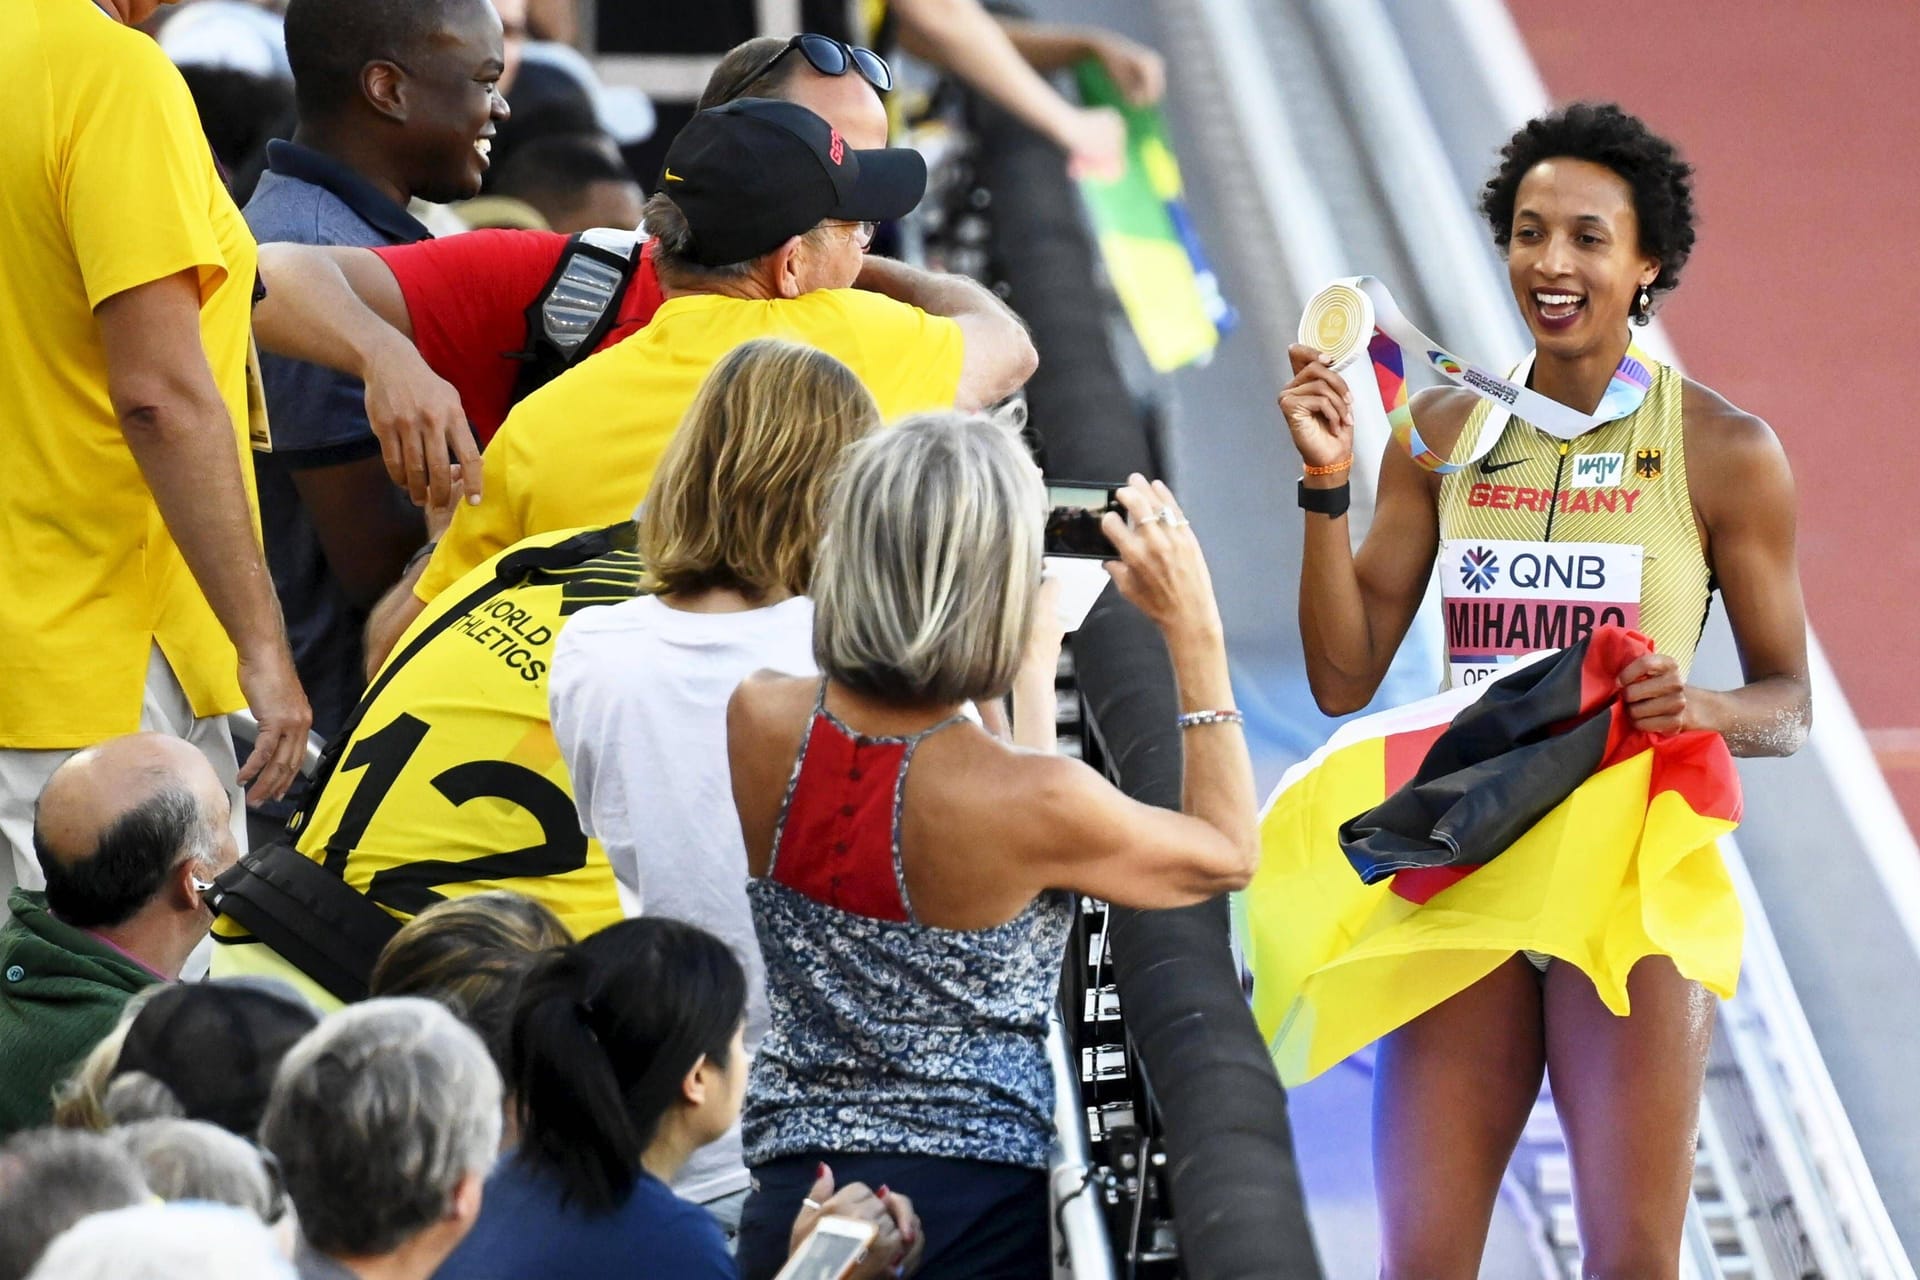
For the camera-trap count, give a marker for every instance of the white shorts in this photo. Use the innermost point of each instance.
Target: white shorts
(163, 709)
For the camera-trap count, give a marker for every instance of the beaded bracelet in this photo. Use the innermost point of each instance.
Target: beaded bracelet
(1332, 468)
(1192, 719)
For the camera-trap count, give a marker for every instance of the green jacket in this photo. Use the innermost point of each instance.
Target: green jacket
(61, 991)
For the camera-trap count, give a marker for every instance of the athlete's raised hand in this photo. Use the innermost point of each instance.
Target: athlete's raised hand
(1318, 408)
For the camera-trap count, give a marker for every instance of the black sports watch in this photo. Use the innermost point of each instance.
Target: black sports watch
(1328, 502)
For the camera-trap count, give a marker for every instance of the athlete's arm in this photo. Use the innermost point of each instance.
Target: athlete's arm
(1355, 607)
(1743, 492)
(341, 307)
(997, 357)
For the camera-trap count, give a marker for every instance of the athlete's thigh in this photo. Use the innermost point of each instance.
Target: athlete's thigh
(1452, 1092)
(1628, 1094)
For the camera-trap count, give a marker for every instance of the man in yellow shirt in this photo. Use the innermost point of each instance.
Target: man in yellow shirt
(759, 230)
(131, 576)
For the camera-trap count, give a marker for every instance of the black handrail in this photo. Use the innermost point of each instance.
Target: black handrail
(1234, 1184)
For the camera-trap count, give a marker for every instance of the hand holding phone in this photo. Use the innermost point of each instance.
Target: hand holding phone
(1073, 519)
(1161, 570)
(894, 1242)
(835, 1247)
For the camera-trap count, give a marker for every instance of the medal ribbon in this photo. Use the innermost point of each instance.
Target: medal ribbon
(1357, 314)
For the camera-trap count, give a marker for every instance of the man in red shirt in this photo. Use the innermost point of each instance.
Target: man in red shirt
(463, 300)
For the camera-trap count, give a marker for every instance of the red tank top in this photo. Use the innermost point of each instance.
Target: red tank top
(838, 836)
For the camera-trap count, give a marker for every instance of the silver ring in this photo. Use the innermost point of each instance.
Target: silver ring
(813, 1204)
(1178, 522)
(1162, 514)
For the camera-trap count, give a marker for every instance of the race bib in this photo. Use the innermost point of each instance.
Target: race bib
(1504, 600)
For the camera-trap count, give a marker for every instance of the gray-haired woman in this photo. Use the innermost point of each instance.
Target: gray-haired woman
(913, 927)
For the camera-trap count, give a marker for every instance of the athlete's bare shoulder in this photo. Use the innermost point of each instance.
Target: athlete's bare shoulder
(1441, 413)
(1718, 428)
(1732, 455)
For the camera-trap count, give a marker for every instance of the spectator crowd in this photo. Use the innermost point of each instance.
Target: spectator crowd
(688, 862)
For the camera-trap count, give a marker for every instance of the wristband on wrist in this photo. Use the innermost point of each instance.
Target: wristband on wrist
(413, 561)
(1332, 468)
(1332, 503)
(1194, 719)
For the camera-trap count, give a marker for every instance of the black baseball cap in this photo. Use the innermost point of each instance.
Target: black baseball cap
(751, 173)
(217, 1044)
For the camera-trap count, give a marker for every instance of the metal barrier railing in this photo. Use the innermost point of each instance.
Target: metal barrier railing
(1190, 1150)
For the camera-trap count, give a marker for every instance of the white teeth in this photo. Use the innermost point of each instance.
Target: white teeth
(484, 146)
(1556, 299)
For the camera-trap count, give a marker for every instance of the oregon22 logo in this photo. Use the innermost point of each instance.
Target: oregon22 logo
(1479, 568)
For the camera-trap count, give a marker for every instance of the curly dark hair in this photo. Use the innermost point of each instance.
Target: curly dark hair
(1600, 132)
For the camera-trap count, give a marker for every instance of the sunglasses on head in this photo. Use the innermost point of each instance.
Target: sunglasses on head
(831, 57)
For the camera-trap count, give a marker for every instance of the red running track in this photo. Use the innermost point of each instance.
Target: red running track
(1801, 302)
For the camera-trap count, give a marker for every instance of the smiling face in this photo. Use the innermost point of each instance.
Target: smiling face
(1574, 260)
(453, 104)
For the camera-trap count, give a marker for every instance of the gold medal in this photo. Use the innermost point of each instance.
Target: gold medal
(1338, 321)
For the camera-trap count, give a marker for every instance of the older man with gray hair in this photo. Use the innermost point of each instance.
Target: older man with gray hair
(386, 1120)
(129, 835)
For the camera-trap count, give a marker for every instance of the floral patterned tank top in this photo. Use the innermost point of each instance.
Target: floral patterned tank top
(889, 1035)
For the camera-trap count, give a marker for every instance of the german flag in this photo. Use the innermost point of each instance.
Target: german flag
(1421, 847)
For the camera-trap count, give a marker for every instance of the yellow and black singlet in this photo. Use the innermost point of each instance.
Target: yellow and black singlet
(448, 781)
(1544, 539)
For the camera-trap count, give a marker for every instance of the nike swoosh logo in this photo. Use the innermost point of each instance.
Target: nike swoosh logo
(1488, 468)
(671, 176)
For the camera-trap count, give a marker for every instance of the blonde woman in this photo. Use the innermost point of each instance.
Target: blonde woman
(639, 689)
(914, 876)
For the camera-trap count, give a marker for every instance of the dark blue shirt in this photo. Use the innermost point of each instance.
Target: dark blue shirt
(318, 418)
(524, 1233)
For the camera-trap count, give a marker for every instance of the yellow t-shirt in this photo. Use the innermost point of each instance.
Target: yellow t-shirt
(583, 448)
(109, 184)
(451, 782)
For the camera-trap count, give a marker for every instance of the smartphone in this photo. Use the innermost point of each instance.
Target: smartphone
(1073, 519)
(831, 1252)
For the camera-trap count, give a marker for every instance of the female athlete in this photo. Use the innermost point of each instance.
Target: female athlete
(1683, 493)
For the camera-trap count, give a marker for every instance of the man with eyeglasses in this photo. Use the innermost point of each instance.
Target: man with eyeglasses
(759, 230)
(465, 301)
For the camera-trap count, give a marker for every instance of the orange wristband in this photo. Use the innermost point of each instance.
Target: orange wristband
(1332, 469)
